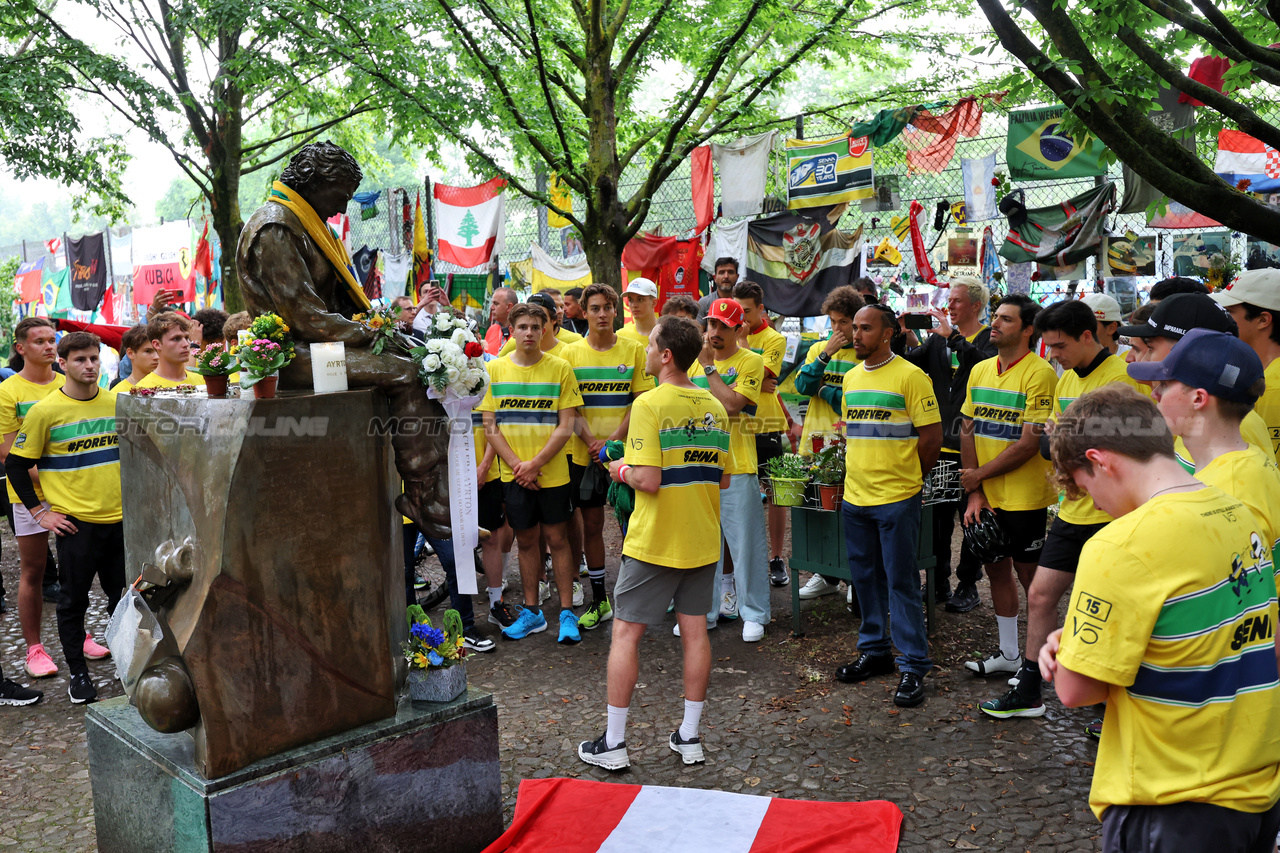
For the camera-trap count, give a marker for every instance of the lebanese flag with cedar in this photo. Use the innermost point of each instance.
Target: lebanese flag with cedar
(469, 222)
(603, 817)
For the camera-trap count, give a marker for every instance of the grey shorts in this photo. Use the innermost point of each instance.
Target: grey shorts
(644, 590)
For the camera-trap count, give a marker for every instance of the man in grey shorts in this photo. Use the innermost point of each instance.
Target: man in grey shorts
(676, 452)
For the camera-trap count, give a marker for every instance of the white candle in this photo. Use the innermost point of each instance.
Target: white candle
(243, 337)
(329, 367)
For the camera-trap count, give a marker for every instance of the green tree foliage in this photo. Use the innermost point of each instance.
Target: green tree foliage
(551, 85)
(1105, 60)
(224, 85)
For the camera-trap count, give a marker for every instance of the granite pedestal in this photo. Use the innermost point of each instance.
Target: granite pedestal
(425, 779)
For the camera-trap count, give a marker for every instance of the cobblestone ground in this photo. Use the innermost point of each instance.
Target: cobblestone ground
(776, 724)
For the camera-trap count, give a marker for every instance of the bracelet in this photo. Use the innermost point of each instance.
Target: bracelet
(622, 474)
(38, 515)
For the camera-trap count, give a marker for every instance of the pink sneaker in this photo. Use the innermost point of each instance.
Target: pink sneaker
(39, 664)
(93, 650)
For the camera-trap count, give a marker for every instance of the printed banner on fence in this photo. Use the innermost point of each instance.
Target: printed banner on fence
(828, 171)
(798, 260)
(88, 262)
(1037, 151)
(1248, 164)
(27, 280)
(163, 260)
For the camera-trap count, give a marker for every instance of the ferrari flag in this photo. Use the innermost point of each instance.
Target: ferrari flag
(799, 259)
(1037, 151)
(828, 171)
(469, 222)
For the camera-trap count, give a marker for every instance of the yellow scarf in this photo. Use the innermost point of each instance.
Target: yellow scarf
(317, 230)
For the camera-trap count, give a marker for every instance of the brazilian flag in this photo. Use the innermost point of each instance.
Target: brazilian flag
(1038, 150)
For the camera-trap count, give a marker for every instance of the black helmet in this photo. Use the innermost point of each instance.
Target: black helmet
(986, 538)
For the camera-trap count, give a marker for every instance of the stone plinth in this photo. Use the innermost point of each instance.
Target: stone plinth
(289, 612)
(426, 778)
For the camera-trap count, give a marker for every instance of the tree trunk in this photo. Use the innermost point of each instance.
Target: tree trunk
(225, 152)
(605, 217)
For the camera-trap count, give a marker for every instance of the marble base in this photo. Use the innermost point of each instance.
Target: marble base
(425, 779)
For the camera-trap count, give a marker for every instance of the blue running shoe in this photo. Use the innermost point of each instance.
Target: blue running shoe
(569, 628)
(529, 622)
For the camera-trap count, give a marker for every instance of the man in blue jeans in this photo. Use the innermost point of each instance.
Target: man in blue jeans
(894, 433)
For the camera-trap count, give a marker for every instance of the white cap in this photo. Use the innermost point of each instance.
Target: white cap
(1104, 307)
(642, 287)
(1260, 288)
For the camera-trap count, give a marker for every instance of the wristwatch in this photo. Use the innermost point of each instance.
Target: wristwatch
(823, 358)
(708, 369)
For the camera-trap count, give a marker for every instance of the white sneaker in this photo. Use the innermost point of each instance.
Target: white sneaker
(582, 568)
(577, 594)
(848, 597)
(818, 587)
(544, 591)
(711, 623)
(752, 632)
(997, 664)
(729, 603)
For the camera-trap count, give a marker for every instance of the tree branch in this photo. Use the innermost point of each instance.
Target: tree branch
(1255, 53)
(641, 37)
(1215, 39)
(546, 90)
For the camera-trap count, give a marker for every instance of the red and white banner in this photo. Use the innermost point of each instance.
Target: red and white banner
(470, 222)
(603, 817)
(1248, 164)
(704, 192)
(162, 259)
(28, 281)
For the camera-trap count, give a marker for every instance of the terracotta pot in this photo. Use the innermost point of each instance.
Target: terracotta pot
(265, 388)
(831, 496)
(216, 386)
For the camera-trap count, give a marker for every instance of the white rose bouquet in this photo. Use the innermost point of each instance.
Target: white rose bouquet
(452, 360)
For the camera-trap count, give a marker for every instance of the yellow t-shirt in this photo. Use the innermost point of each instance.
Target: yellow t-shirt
(629, 332)
(683, 431)
(999, 404)
(77, 451)
(743, 372)
(1253, 429)
(1175, 610)
(1071, 386)
(1251, 476)
(17, 396)
(556, 350)
(882, 411)
(1268, 406)
(526, 402)
(606, 381)
(567, 336)
(820, 417)
(482, 444)
(155, 380)
(770, 345)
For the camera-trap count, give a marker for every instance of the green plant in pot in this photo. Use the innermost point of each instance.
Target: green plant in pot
(828, 473)
(788, 473)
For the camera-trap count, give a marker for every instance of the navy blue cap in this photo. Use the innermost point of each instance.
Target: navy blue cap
(1221, 364)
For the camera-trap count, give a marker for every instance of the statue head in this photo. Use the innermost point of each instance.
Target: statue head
(325, 175)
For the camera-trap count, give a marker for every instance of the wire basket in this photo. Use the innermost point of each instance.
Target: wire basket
(942, 485)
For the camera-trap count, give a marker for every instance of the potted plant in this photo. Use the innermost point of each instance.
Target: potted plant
(215, 363)
(435, 655)
(260, 358)
(788, 474)
(828, 473)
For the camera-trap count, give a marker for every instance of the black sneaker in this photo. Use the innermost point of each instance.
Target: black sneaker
(419, 582)
(1013, 704)
(52, 592)
(475, 641)
(964, 599)
(1094, 728)
(503, 614)
(865, 667)
(3, 607)
(13, 693)
(941, 592)
(910, 690)
(778, 572)
(597, 753)
(82, 689)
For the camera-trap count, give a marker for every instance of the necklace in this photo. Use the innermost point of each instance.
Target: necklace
(1171, 488)
(891, 357)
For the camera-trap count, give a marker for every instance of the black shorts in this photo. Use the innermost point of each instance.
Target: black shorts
(489, 512)
(530, 507)
(1176, 827)
(769, 446)
(595, 498)
(1064, 543)
(1024, 532)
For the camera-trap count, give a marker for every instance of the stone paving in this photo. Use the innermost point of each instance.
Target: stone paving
(776, 724)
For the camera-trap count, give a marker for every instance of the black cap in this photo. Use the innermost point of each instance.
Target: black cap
(545, 301)
(1176, 315)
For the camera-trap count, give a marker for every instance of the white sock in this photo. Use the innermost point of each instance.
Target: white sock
(616, 733)
(692, 716)
(1008, 626)
(495, 595)
(726, 583)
